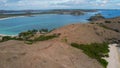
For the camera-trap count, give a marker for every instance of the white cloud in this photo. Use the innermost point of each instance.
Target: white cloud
(3, 1)
(31, 4)
(118, 4)
(100, 2)
(47, 3)
(77, 1)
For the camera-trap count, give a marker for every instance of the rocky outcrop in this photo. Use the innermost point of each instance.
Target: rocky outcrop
(96, 17)
(110, 23)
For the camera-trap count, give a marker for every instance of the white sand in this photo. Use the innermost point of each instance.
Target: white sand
(1, 35)
(113, 60)
(11, 17)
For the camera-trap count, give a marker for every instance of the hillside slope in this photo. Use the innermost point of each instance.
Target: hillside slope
(47, 54)
(86, 33)
(57, 52)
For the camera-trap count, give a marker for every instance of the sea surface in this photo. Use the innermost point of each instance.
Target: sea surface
(13, 26)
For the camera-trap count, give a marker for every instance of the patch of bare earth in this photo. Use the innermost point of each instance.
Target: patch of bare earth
(47, 54)
(85, 33)
(113, 23)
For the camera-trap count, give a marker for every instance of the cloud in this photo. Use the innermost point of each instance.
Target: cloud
(99, 2)
(118, 4)
(50, 4)
(29, 4)
(3, 1)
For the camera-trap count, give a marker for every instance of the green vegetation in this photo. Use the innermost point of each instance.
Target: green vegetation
(15, 15)
(30, 33)
(92, 23)
(44, 30)
(29, 13)
(11, 15)
(28, 36)
(29, 42)
(43, 37)
(101, 25)
(95, 50)
(6, 38)
(116, 30)
(64, 40)
(118, 21)
(107, 21)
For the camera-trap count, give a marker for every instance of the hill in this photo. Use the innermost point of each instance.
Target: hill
(49, 50)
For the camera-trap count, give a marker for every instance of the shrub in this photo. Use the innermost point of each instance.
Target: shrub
(29, 42)
(28, 34)
(64, 40)
(107, 21)
(6, 38)
(118, 21)
(95, 51)
(43, 37)
(103, 62)
(92, 23)
(116, 30)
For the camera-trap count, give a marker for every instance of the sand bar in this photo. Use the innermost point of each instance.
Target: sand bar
(10, 17)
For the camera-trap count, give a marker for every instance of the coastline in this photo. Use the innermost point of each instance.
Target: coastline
(11, 17)
(114, 57)
(7, 35)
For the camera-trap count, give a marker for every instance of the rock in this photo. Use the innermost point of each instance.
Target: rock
(96, 17)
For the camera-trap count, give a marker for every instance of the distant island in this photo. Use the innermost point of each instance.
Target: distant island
(8, 13)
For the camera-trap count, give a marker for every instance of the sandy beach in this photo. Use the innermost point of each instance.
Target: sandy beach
(114, 57)
(7, 35)
(11, 17)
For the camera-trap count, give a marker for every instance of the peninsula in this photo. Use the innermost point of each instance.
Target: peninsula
(6, 14)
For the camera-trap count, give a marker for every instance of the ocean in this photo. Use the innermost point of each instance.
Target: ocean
(13, 26)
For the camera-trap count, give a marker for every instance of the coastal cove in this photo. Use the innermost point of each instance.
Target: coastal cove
(59, 33)
(91, 41)
(15, 25)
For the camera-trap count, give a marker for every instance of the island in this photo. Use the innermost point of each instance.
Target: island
(96, 17)
(76, 12)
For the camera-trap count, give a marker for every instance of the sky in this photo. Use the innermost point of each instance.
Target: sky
(58, 4)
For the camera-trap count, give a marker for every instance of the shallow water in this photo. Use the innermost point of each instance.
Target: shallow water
(16, 25)
(13, 26)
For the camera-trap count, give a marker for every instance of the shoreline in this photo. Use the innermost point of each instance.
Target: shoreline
(114, 57)
(1, 35)
(11, 17)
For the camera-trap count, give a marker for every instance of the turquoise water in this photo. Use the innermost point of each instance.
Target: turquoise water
(50, 21)
(110, 13)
